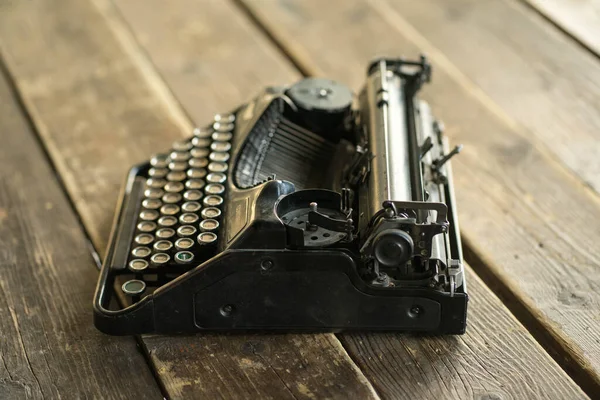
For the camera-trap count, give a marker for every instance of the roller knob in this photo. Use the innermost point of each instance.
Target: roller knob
(393, 247)
(323, 103)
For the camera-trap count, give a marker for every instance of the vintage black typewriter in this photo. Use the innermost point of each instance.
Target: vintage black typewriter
(305, 209)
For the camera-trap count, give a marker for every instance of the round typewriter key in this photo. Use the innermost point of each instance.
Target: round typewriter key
(216, 177)
(165, 233)
(218, 156)
(198, 162)
(188, 218)
(196, 173)
(222, 136)
(206, 238)
(158, 172)
(223, 127)
(210, 212)
(214, 188)
(217, 167)
(169, 209)
(209, 225)
(184, 243)
(139, 265)
(179, 155)
(182, 145)
(220, 146)
(153, 193)
(176, 175)
(195, 184)
(133, 287)
(202, 132)
(144, 238)
(146, 226)
(200, 142)
(160, 259)
(151, 203)
(149, 215)
(223, 118)
(192, 195)
(174, 187)
(199, 152)
(191, 206)
(213, 200)
(171, 198)
(178, 166)
(159, 161)
(167, 221)
(163, 245)
(155, 183)
(141, 252)
(186, 230)
(184, 257)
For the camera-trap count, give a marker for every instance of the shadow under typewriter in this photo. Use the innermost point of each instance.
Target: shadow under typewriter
(305, 209)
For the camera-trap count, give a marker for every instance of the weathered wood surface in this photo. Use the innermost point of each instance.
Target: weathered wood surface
(517, 63)
(99, 109)
(265, 366)
(48, 345)
(485, 360)
(210, 44)
(530, 226)
(93, 91)
(579, 18)
(496, 359)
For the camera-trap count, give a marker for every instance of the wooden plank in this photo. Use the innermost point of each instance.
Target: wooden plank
(580, 18)
(496, 359)
(484, 358)
(265, 366)
(100, 108)
(526, 221)
(516, 61)
(48, 346)
(217, 49)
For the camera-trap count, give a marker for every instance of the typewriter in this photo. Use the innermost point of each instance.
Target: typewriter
(308, 208)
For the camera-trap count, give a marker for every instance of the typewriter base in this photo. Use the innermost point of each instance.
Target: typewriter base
(287, 290)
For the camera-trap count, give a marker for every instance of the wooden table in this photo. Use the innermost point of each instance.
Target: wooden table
(90, 87)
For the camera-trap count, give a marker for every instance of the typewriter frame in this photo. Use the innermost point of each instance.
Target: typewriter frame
(262, 285)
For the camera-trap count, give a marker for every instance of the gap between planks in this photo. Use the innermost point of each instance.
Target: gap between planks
(317, 346)
(151, 74)
(158, 85)
(23, 107)
(521, 307)
(545, 11)
(25, 111)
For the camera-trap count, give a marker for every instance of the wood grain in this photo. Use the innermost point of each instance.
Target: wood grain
(497, 355)
(100, 108)
(48, 346)
(496, 359)
(265, 366)
(580, 18)
(528, 224)
(522, 65)
(210, 44)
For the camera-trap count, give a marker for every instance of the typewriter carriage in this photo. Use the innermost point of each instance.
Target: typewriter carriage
(364, 239)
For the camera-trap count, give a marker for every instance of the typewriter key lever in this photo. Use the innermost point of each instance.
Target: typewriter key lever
(307, 208)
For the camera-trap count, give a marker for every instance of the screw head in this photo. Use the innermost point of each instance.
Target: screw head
(415, 311)
(266, 265)
(227, 310)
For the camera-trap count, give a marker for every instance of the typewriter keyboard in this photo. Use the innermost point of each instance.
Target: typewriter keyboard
(177, 223)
